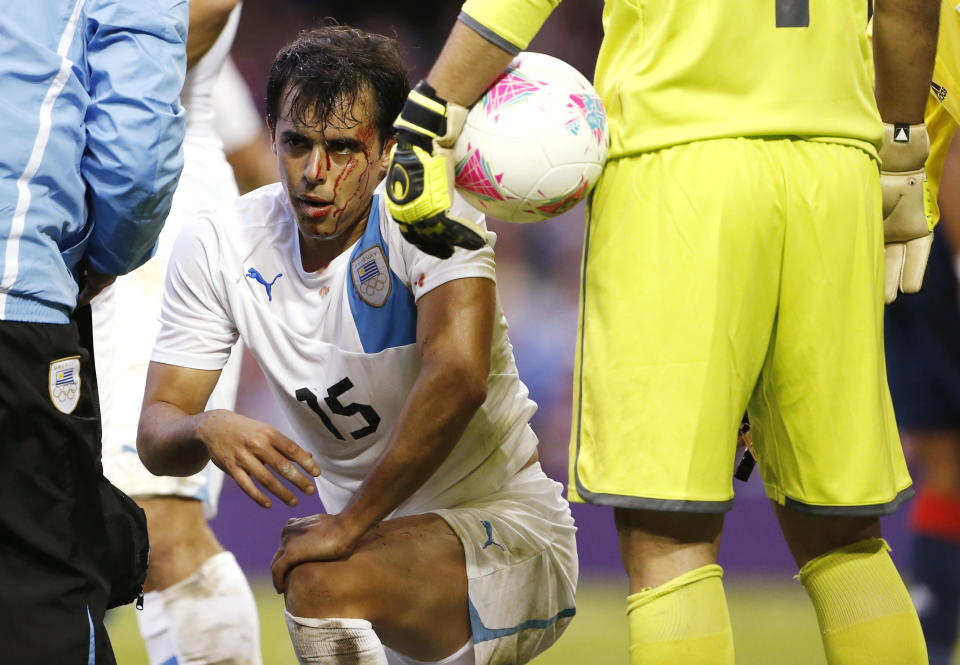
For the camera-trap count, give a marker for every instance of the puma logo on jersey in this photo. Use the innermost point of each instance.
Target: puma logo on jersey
(490, 540)
(253, 273)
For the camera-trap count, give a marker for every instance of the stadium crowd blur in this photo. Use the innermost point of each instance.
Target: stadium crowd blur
(538, 265)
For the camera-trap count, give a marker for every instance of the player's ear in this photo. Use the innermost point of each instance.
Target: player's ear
(272, 128)
(384, 161)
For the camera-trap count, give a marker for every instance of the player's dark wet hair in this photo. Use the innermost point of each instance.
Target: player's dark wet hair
(327, 68)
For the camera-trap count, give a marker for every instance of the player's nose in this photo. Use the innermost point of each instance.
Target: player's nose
(318, 163)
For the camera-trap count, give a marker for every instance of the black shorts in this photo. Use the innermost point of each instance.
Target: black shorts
(922, 338)
(52, 595)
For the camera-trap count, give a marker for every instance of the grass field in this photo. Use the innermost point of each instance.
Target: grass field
(773, 624)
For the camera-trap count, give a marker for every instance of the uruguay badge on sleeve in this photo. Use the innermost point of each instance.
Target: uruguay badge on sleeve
(371, 276)
(64, 383)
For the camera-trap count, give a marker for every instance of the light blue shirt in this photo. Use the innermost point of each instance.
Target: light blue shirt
(91, 128)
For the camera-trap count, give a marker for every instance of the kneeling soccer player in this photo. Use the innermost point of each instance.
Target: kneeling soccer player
(444, 541)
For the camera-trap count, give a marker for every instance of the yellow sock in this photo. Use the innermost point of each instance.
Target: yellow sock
(682, 622)
(865, 613)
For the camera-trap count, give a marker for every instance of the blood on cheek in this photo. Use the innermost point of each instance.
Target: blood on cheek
(361, 184)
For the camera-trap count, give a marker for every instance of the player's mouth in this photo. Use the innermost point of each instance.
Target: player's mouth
(315, 208)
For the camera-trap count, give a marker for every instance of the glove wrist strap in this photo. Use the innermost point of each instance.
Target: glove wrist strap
(427, 114)
(423, 112)
(905, 147)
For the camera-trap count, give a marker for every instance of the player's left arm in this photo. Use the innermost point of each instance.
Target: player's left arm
(486, 36)
(904, 46)
(454, 333)
(467, 65)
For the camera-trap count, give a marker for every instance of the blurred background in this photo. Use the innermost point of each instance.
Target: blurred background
(538, 275)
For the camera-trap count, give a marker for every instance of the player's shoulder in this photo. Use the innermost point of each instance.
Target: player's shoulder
(390, 229)
(247, 219)
(233, 229)
(420, 271)
(386, 230)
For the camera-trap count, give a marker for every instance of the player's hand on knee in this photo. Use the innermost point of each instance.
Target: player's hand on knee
(313, 538)
(249, 450)
(420, 180)
(908, 217)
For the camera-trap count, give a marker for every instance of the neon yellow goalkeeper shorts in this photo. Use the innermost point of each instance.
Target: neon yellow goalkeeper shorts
(725, 275)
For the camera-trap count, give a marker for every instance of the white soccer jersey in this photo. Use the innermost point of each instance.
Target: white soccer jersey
(337, 346)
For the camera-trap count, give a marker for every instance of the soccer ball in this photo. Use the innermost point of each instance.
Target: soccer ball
(535, 142)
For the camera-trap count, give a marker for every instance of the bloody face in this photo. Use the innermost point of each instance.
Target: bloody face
(329, 168)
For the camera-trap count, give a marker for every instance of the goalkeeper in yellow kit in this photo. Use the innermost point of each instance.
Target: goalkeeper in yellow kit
(737, 253)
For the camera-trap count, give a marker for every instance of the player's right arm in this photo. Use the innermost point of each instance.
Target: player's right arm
(177, 437)
(904, 46)
(173, 397)
(207, 20)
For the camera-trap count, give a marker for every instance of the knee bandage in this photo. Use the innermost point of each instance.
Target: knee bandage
(213, 616)
(333, 641)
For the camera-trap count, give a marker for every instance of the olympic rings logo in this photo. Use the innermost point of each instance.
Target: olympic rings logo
(374, 284)
(65, 393)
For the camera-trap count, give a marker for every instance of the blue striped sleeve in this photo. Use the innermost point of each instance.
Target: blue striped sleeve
(135, 126)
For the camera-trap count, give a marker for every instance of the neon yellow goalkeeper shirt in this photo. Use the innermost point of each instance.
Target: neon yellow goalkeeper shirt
(942, 114)
(674, 71)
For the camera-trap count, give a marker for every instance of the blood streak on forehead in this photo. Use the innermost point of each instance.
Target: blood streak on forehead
(367, 135)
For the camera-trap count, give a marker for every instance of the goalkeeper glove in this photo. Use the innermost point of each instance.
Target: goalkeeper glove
(420, 179)
(908, 218)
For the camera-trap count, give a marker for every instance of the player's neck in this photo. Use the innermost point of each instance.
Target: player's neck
(316, 254)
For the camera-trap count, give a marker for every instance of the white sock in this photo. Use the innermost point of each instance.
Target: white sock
(213, 615)
(462, 656)
(155, 630)
(334, 641)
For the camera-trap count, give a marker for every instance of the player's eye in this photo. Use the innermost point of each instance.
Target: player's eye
(339, 147)
(296, 142)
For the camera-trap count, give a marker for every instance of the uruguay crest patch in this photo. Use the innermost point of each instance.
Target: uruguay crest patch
(64, 384)
(371, 276)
